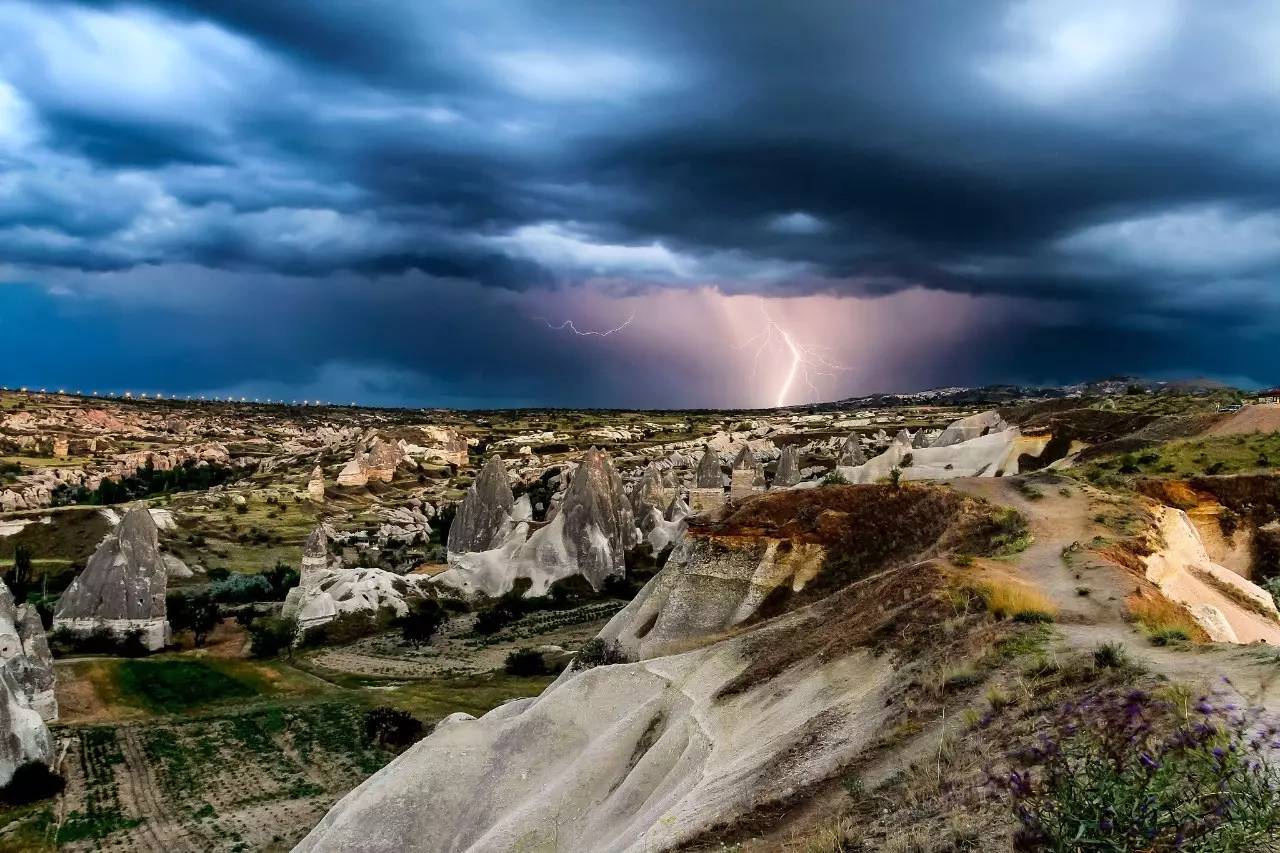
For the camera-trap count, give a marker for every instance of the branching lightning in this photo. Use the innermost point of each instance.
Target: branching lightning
(808, 361)
(568, 324)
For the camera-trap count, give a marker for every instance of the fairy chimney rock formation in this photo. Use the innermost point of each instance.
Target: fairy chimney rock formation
(24, 737)
(382, 460)
(851, 452)
(315, 553)
(355, 472)
(746, 476)
(707, 494)
(484, 518)
(28, 661)
(315, 486)
(788, 473)
(123, 586)
(599, 527)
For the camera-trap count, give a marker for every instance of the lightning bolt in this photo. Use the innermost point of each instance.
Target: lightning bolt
(807, 360)
(568, 324)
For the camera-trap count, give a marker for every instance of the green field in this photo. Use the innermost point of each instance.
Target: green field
(1234, 454)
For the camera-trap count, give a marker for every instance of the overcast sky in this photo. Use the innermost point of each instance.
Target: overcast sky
(403, 202)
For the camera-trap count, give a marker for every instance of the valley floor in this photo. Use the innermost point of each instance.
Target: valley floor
(208, 750)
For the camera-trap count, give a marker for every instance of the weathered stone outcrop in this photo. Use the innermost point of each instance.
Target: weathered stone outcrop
(724, 715)
(1230, 608)
(25, 656)
(123, 586)
(355, 473)
(383, 459)
(589, 536)
(851, 453)
(24, 737)
(987, 455)
(315, 485)
(788, 473)
(707, 493)
(484, 518)
(327, 590)
(746, 476)
(967, 429)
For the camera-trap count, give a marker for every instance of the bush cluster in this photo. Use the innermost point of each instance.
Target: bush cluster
(1130, 771)
(526, 662)
(391, 728)
(599, 652)
(31, 782)
(64, 642)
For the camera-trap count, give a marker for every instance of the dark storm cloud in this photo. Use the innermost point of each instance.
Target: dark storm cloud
(1112, 163)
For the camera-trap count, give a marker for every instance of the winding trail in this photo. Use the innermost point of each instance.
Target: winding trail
(1057, 521)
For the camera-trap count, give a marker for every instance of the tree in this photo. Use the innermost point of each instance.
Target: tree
(21, 577)
(271, 635)
(525, 662)
(423, 620)
(392, 728)
(195, 612)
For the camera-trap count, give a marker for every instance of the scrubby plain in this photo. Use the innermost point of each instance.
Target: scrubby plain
(1032, 594)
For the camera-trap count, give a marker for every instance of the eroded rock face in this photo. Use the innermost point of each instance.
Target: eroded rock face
(707, 494)
(788, 473)
(315, 485)
(994, 454)
(588, 535)
(327, 590)
(383, 459)
(598, 524)
(355, 473)
(652, 755)
(851, 453)
(967, 429)
(484, 518)
(25, 656)
(708, 475)
(746, 475)
(123, 585)
(24, 738)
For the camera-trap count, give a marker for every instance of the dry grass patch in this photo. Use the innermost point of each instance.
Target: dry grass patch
(1009, 599)
(1162, 619)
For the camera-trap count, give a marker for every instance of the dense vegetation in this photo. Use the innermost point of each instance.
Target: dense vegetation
(148, 481)
(1130, 771)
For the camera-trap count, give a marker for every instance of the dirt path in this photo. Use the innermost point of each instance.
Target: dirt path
(1058, 520)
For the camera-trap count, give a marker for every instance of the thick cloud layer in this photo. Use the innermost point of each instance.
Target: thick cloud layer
(1031, 178)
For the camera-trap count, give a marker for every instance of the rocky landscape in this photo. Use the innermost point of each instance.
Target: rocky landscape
(254, 627)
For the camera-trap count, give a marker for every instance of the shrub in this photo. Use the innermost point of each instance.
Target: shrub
(834, 478)
(1110, 656)
(1169, 636)
(349, 627)
(240, 589)
(423, 620)
(1127, 771)
(31, 782)
(526, 662)
(195, 612)
(392, 728)
(271, 635)
(599, 652)
(64, 642)
(895, 477)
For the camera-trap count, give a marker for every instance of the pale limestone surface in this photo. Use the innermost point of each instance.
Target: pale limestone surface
(635, 757)
(123, 585)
